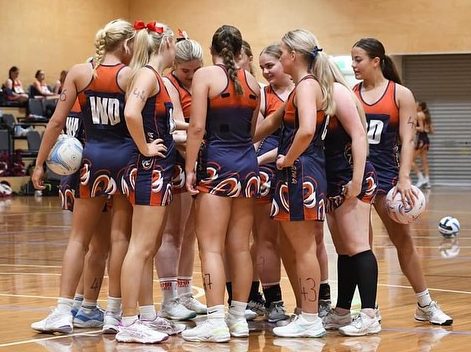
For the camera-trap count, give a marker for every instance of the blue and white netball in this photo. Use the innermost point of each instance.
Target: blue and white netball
(449, 226)
(405, 214)
(65, 156)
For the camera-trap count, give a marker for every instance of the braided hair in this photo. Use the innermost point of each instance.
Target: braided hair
(227, 43)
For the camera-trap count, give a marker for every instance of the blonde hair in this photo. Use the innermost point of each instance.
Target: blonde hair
(339, 78)
(306, 44)
(147, 43)
(188, 50)
(109, 38)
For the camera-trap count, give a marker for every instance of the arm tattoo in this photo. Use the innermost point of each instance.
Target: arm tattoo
(139, 94)
(63, 95)
(411, 122)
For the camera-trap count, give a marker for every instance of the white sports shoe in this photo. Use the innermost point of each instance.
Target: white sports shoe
(208, 331)
(164, 326)
(334, 321)
(111, 323)
(433, 314)
(250, 314)
(238, 327)
(193, 304)
(173, 309)
(55, 322)
(140, 333)
(300, 327)
(361, 325)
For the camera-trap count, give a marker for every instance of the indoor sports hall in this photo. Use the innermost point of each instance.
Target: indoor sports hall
(429, 44)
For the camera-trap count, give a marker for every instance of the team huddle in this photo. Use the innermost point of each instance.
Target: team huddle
(210, 153)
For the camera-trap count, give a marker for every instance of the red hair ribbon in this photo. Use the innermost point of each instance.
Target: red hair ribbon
(138, 25)
(151, 26)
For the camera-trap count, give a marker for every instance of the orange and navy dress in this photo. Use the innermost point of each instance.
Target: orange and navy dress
(383, 135)
(300, 190)
(267, 171)
(149, 179)
(227, 164)
(179, 179)
(339, 167)
(108, 144)
(69, 184)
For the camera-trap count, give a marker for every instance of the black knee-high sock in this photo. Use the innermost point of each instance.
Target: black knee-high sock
(366, 266)
(324, 292)
(346, 281)
(272, 294)
(229, 292)
(254, 292)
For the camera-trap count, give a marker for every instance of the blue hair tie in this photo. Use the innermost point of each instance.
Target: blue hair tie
(314, 52)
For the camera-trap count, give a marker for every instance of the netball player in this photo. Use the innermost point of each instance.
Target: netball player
(225, 106)
(149, 118)
(424, 127)
(351, 187)
(300, 189)
(107, 150)
(174, 260)
(391, 115)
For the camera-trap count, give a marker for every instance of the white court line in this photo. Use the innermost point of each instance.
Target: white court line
(91, 333)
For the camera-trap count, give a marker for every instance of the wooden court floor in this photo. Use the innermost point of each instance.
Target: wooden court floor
(33, 236)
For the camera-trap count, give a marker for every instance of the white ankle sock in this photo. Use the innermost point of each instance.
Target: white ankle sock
(184, 285)
(89, 304)
(64, 305)
(310, 317)
(423, 298)
(216, 312)
(114, 304)
(147, 312)
(168, 286)
(127, 321)
(237, 309)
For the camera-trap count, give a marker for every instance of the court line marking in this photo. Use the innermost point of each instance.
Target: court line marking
(16, 343)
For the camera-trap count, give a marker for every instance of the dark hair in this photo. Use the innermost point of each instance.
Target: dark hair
(37, 73)
(12, 70)
(374, 48)
(227, 43)
(428, 117)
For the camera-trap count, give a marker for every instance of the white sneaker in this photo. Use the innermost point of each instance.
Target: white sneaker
(334, 321)
(55, 322)
(208, 331)
(238, 327)
(140, 333)
(378, 313)
(250, 315)
(362, 325)
(173, 309)
(164, 326)
(324, 307)
(111, 323)
(193, 304)
(433, 314)
(299, 327)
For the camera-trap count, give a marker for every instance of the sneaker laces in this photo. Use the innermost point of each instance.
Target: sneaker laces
(357, 321)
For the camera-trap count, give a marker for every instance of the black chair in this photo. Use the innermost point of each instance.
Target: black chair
(34, 141)
(36, 108)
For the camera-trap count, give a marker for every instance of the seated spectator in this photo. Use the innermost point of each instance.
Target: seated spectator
(60, 82)
(40, 87)
(13, 88)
